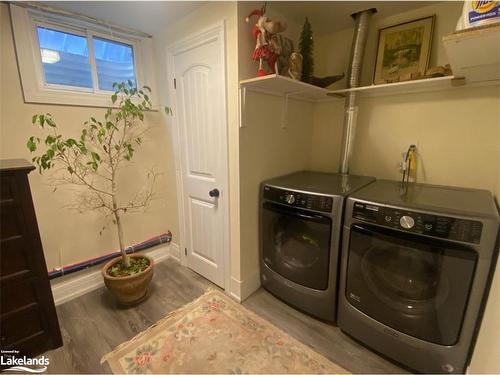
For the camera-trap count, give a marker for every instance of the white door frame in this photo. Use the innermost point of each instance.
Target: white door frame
(214, 32)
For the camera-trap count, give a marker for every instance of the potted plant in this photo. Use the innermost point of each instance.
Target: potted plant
(92, 164)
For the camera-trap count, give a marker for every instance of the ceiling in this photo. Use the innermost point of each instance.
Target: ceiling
(146, 16)
(152, 16)
(329, 16)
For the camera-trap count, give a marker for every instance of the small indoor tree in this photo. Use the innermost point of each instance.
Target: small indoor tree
(306, 48)
(92, 161)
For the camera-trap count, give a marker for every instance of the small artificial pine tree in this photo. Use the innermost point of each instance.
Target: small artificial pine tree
(306, 45)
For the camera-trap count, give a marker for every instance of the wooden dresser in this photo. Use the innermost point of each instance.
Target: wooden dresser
(28, 319)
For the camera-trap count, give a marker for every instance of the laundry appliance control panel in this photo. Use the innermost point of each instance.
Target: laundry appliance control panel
(452, 228)
(298, 199)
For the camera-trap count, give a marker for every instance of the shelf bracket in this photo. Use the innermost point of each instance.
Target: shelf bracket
(242, 105)
(284, 110)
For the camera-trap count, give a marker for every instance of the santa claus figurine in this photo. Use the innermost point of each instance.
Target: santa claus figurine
(266, 42)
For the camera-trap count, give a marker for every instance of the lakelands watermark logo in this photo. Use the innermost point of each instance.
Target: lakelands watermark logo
(14, 362)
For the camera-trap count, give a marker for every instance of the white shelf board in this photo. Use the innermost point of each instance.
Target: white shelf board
(475, 53)
(406, 87)
(275, 84)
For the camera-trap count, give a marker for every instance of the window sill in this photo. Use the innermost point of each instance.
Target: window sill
(72, 98)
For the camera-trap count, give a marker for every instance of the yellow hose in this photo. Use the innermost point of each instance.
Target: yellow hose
(412, 162)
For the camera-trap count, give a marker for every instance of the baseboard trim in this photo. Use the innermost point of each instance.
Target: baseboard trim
(85, 281)
(235, 289)
(242, 289)
(175, 252)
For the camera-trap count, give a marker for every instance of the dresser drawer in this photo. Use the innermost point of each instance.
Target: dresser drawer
(17, 294)
(14, 257)
(21, 324)
(7, 188)
(11, 221)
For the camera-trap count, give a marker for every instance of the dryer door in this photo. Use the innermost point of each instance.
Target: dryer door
(296, 244)
(412, 284)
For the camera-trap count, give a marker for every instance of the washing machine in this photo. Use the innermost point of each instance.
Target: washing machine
(300, 230)
(417, 262)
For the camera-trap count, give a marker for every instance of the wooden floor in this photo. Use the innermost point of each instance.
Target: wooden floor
(93, 324)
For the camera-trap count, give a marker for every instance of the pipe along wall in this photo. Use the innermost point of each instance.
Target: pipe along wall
(361, 28)
(157, 240)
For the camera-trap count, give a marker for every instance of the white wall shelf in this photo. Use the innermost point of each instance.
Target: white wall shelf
(406, 87)
(287, 87)
(275, 84)
(281, 86)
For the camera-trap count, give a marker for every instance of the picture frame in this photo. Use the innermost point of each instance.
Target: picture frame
(403, 50)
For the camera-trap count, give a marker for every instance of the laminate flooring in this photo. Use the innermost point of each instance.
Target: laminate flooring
(93, 324)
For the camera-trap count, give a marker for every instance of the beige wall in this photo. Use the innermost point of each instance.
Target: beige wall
(457, 144)
(457, 134)
(265, 149)
(202, 18)
(70, 237)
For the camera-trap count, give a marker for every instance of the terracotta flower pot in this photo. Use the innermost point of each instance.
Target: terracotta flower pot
(129, 290)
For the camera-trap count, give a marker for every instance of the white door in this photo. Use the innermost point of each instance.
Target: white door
(200, 111)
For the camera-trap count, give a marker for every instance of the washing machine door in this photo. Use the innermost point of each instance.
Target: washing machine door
(296, 244)
(412, 284)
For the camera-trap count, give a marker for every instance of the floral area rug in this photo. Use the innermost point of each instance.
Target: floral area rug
(214, 334)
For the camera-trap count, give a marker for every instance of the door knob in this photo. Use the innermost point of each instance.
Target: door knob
(214, 193)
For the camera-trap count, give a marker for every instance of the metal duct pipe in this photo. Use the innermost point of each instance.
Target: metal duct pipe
(362, 20)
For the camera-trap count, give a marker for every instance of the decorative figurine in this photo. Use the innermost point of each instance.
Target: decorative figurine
(266, 43)
(295, 66)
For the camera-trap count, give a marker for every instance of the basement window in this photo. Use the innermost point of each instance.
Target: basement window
(64, 60)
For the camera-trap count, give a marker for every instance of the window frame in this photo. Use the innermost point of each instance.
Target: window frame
(35, 88)
(136, 48)
(43, 84)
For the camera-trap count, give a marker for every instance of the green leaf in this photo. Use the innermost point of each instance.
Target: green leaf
(113, 98)
(70, 170)
(34, 118)
(109, 111)
(95, 156)
(50, 153)
(147, 88)
(50, 121)
(50, 140)
(71, 142)
(31, 144)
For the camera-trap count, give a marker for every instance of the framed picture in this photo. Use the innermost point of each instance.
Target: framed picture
(403, 50)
